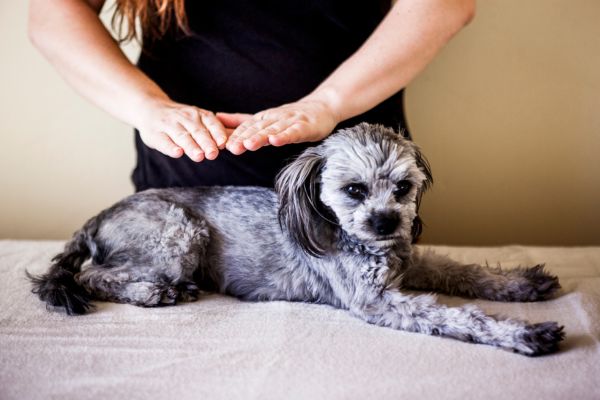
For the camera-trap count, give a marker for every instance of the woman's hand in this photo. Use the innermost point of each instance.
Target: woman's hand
(307, 120)
(175, 129)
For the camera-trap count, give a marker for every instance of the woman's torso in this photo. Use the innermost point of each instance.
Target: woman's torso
(246, 56)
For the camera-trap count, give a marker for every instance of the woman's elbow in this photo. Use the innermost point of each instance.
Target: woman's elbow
(35, 36)
(467, 11)
(456, 15)
(35, 24)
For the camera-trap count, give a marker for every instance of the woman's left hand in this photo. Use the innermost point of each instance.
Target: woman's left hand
(306, 120)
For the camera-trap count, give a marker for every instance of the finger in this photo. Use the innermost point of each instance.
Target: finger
(201, 136)
(206, 142)
(216, 128)
(232, 120)
(163, 143)
(292, 134)
(250, 128)
(240, 132)
(184, 139)
(261, 138)
(235, 144)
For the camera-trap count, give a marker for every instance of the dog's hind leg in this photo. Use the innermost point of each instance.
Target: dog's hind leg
(430, 271)
(138, 285)
(147, 259)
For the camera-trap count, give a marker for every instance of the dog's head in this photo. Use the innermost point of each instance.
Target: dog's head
(367, 180)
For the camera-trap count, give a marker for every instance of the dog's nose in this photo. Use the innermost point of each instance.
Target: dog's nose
(384, 223)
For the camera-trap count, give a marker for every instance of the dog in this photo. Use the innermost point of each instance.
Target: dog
(338, 229)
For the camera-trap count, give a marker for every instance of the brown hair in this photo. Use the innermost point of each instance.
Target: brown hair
(155, 17)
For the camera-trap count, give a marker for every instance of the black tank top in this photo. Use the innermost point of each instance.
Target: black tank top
(246, 56)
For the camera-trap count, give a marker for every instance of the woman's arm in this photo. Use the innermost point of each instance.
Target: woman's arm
(404, 43)
(71, 36)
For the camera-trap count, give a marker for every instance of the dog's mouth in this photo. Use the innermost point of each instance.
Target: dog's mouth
(387, 238)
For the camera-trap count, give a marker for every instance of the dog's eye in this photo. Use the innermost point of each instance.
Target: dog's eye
(357, 191)
(402, 188)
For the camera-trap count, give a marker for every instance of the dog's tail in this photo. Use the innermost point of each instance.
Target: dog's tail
(58, 287)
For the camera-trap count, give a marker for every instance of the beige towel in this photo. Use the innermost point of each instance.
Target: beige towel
(221, 348)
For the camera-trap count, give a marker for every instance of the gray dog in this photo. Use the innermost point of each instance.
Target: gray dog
(337, 230)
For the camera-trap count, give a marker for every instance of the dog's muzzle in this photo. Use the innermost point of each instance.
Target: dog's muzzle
(384, 223)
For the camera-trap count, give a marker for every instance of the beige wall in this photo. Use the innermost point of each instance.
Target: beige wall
(508, 115)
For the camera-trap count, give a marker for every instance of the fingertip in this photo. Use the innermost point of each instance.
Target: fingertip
(211, 153)
(221, 142)
(276, 140)
(250, 144)
(176, 152)
(198, 156)
(234, 148)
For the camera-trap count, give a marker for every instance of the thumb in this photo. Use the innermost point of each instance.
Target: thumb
(232, 120)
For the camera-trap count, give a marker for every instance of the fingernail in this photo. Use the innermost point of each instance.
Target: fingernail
(275, 140)
(211, 153)
(235, 148)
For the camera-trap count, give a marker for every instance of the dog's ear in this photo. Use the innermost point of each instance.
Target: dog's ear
(425, 168)
(301, 212)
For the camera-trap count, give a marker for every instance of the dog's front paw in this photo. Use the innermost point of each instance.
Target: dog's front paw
(531, 284)
(539, 339)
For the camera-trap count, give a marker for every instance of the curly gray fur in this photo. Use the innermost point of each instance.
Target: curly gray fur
(337, 231)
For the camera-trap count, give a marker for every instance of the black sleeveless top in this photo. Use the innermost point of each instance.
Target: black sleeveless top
(246, 56)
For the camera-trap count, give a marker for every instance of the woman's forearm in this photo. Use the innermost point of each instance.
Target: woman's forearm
(403, 44)
(407, 39)
(71, 36)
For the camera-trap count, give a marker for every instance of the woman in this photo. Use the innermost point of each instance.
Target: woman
(221, 86)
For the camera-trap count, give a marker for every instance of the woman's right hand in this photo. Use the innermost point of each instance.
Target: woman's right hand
(73, 38)
(175, 129)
